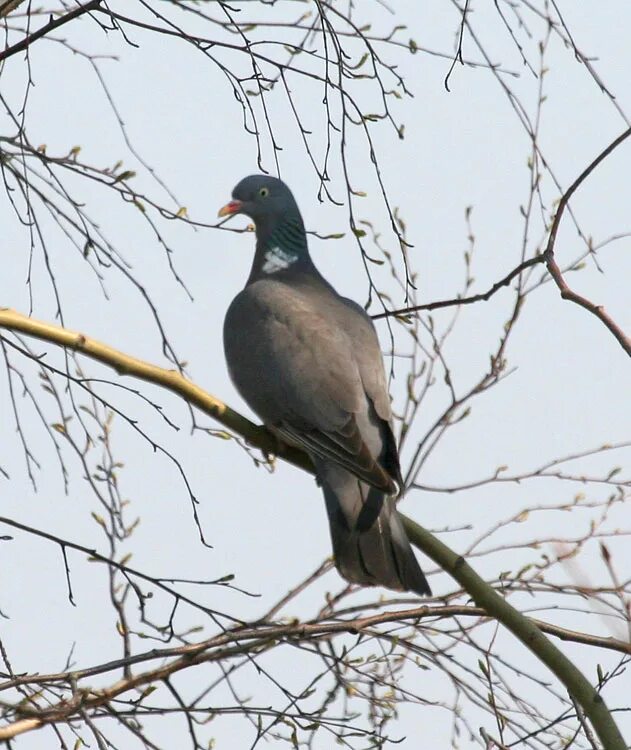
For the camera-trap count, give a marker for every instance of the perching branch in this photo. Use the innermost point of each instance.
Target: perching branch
(524, 629)
(484, 595)
(172, 380)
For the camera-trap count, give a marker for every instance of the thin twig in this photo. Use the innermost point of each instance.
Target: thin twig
(55, 23)
(457, 301)
(482, 593)
(567, 293)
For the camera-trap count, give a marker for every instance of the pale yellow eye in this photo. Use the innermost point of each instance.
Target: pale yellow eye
(264, 192)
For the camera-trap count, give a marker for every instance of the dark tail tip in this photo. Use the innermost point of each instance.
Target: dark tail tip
(410, 573)
(375, 550)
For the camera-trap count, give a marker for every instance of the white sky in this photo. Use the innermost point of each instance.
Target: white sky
(569, 392)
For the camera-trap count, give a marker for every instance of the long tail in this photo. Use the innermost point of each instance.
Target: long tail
(369, 542)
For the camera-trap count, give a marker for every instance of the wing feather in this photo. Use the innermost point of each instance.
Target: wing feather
(312, 370)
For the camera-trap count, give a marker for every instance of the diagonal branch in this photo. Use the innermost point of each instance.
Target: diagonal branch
(219, 647)
(546, 257)
(53, 24)
(482, 297)
(172, 380)
(8, 6)
(567, 293)
(579, 687)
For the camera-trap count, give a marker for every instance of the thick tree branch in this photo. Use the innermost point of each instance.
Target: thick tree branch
(483, 594)
(523, 628)
(172, 380)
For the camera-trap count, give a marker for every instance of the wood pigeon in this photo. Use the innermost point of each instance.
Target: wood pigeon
(308, 362)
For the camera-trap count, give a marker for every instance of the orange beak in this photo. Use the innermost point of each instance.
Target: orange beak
(230, 209)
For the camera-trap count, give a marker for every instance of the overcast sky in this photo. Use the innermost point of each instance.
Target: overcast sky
(569, 390)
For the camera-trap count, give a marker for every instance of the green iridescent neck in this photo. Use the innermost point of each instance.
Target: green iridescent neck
(285, 247)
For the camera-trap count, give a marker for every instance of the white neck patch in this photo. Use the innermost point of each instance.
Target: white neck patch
(277, 259)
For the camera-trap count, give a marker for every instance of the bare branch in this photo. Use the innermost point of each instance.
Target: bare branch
(483, 594)
(548, 258)
(53, 24)
(482, 297)
(553, 268)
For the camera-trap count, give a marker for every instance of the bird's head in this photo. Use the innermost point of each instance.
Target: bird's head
(266, 200)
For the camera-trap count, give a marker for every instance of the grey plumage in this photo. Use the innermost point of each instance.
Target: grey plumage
(308, 362)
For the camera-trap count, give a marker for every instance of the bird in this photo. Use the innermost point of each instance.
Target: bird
(308, 362)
